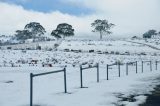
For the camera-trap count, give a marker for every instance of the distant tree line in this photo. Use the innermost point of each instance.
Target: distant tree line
(35, 30)
(150, 33)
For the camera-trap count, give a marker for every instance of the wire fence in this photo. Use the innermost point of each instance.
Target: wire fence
(96, 66)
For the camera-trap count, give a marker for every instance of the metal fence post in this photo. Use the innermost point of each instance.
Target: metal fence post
(126, 68)
(136, 67)
(81, 77)
(142, 66)
(151, 65)
(156, 65)
(107, 71)
(65, 81)
(31, 89)
(119, 69)
(97, 72)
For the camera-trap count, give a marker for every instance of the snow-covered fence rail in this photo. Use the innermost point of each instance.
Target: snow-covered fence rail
(131, 63)
(147, 62)
(119, 71)
(89, 67)
(46, 73)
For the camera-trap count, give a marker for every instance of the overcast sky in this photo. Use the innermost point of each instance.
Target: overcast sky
(131, 17)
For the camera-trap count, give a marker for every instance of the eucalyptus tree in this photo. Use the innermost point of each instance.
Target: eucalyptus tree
(35, 28)
(102, 26)
(63, 30)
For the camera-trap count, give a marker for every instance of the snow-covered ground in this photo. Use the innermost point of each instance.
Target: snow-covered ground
(152, 42)
(48, 90)
(16, 66)
(109, 46)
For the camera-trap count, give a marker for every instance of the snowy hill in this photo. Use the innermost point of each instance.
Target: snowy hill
(131, 90)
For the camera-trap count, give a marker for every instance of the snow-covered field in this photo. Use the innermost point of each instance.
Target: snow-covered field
(109, 46)
(152, 42)
(16, 66)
